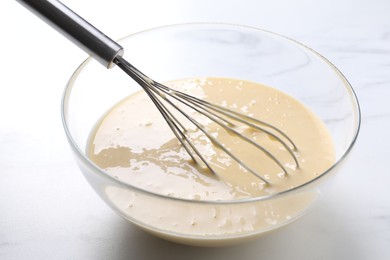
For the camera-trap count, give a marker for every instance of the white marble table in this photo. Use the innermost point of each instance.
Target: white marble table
(47, 209)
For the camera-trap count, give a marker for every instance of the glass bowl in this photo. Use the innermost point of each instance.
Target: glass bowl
(218, 50)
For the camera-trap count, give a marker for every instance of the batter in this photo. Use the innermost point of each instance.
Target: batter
(134, 144)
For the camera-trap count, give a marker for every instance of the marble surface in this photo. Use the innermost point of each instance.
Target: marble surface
(47, 209)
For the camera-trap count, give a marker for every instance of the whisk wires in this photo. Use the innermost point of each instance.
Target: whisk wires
(162, 97)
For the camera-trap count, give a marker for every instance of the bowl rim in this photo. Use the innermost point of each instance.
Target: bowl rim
(91, 165)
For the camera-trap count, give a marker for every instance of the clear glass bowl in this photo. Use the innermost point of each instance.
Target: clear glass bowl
(218, 50)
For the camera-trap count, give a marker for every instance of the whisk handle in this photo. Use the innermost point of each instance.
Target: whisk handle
(75, 28)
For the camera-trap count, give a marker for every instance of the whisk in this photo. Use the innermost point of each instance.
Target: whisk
(109, 53)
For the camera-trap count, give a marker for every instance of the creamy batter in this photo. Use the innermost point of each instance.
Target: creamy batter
(134, 144)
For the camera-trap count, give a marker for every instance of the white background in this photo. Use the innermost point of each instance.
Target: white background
(47, 209)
